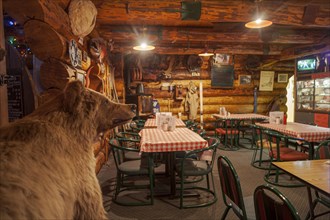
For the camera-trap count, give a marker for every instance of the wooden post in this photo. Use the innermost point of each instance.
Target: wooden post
(3, 88)
(255, 101)
(201, 102)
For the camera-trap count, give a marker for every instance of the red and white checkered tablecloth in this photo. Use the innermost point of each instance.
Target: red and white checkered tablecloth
(181, 139)
(151, 123)
(308, 132)
(241, 116)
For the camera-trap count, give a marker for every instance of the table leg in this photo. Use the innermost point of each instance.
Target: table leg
(310, 150)
(171, 161)
(310, 201)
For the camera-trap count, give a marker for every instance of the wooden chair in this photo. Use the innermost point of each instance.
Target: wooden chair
(269, 204)
(227, 131)
(231, 188)
(321, 152)
(128, 169)
(187, 167)
(279, 153)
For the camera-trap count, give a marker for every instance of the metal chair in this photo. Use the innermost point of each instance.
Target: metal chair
(271, 204)
(187, 167)
(128, 169)
(321, 152)
(130, 140)
(227, 130)
(231, 188)
(260, 144)
(137, 125)
(279, 153)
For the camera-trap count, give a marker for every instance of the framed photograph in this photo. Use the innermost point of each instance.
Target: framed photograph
(222, 59)
(266, 81)
(244, 79)
(282, 78)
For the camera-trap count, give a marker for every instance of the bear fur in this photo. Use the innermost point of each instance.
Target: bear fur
(47, 165)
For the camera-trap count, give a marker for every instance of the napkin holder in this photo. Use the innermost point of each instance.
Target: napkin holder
(276, 117)
(223, 111)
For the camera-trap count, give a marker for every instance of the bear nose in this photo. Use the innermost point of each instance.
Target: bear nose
(133, 108)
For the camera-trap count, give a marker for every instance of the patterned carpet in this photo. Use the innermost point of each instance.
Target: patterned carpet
(165, 208)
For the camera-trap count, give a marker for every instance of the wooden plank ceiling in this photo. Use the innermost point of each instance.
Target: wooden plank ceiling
(296, 24)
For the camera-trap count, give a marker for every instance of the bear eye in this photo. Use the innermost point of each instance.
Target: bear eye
(106, 102)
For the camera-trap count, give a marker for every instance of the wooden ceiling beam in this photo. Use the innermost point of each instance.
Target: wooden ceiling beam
(228, 49)
(280, 12)
(202, 35)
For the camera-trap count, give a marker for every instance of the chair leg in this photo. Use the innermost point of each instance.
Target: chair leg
(224, 215)
(260, 156)
(118, 184)
(207, 181)
(254, 156)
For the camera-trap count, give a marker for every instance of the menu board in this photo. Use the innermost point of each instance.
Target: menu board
(15, 98)
(222, 77)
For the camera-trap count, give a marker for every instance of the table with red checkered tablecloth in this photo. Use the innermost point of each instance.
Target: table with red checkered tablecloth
(151, 123)
(248, 116)
(309, 133)
(181, 139)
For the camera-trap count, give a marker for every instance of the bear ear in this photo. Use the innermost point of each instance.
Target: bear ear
(73, 95)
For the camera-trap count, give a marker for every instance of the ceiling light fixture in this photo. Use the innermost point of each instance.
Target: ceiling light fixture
(143, 46)
(259, 22)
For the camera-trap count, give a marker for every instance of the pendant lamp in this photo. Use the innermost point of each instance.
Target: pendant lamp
(259, 22)
(143, 43)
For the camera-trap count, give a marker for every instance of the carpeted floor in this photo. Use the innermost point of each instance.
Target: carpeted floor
(165, 208)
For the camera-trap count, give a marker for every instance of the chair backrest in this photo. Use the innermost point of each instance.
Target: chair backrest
(230, 186)
(323, 150)
(119, 151)
(270, 203)
(256, 133)
(207, 153)
(276, 140)
(128, 139)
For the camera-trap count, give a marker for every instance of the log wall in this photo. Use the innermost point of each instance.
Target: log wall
(238, 99)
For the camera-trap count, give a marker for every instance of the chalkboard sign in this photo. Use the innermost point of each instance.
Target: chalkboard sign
(15, 97)
(222, 76)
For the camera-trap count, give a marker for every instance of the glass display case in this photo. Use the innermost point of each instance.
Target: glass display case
(313, 95)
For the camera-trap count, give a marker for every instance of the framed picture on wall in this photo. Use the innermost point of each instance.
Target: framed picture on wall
(282, 78)
(266, 81)
(244, 80)
(222, 59)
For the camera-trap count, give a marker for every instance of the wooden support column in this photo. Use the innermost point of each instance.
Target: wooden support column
(3, 88)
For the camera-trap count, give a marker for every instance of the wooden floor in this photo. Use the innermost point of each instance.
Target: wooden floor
(165, 208)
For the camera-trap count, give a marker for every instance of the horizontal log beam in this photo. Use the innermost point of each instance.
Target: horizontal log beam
(181, 35)
(158, 12)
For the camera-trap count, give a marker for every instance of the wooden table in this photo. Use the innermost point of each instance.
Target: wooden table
(314, 173)
(181, 139)
(151, 123)
(309, 133)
